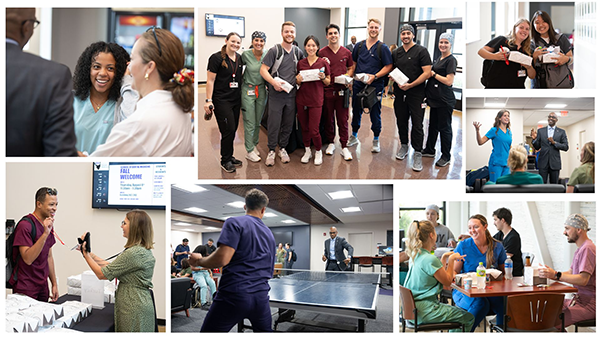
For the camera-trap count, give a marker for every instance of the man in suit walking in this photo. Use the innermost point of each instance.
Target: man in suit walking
(550, 140)
(352, 43)
(39, 98)
(334, 252)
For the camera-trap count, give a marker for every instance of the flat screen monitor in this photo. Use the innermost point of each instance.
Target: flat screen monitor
(283, 237)
(125, 185)
(221, 25)
(386, 250)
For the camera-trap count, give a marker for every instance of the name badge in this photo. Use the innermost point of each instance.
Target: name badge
(251, 93)
(521, 73)
(233, 85)
(423, 105)
(341, 92)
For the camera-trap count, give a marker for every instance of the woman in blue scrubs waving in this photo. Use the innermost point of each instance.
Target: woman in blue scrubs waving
(501, 137)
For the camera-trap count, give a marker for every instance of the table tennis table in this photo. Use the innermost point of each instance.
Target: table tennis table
(344, 294)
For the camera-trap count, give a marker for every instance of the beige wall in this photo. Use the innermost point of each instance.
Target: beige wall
(75, 216)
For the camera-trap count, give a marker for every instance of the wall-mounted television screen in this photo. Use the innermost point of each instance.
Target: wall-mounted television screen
(284, 237)
(386, 250)
(129, 185)
(221, 25)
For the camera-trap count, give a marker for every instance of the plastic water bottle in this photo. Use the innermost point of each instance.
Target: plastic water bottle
(508, 268)
(481, 276)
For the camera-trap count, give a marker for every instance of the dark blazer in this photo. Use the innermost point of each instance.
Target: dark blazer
(340, 245)
(350, 47)
(39, 106)
(550, 154)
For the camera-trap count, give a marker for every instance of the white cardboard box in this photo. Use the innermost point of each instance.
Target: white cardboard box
(310, 75)
(343, 79)
(284, 84)
(399, 76)
(519, 57)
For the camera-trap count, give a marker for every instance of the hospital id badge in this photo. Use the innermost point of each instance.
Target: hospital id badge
(341, 92)
(521, 73)
(423, 105)
(251, 93)
(233, 85)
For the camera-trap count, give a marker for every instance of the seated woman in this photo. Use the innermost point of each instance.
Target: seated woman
(517, 162)
(103, 93)
(186, 269)
(203, 278)
(480, 247)
(427, 276)
(584, 174)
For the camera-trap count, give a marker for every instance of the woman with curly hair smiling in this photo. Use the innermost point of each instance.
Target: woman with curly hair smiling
(103, 94)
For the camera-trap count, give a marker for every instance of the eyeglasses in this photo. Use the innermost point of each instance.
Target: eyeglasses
(156, 39)
(332, 232)
(553, 117)
(35, 22)
(51, 191)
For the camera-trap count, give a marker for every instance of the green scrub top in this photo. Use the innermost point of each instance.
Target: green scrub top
(92, 128)
(420, 278)
(252, 72)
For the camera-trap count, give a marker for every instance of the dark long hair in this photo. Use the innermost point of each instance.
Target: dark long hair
(551, 32)
(81, 77)
(497, 120)
(224, 48)
(491, 242)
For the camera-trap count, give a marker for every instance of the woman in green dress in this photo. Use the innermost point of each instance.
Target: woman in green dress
(134, 308)
(281, 253)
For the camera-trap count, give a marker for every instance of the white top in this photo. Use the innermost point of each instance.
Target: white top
(157, 128)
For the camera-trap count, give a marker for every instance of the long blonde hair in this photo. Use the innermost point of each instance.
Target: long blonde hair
(517, 158)
(491, 242)
(526, 44)
(418, 234)
(141, 232)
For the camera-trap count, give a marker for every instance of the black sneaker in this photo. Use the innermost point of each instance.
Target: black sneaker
(442, 162)
(428, 154)
(205, 306)
(236, 162)
(228, 167)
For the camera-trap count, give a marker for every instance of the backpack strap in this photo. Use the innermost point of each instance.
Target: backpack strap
(278, 59)
(379, 44)
(18, 255)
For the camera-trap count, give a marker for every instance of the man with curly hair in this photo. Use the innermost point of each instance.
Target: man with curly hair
(39, 101)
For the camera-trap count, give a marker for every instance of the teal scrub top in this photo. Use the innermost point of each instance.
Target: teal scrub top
(501, 142)
(92, 128)
(420, 279)
(520, 178)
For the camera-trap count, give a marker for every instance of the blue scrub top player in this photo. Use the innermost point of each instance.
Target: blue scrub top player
(246, 251)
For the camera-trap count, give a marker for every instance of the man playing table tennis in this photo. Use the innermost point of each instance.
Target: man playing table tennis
(246, 251)
(582, 273)
(334, 252)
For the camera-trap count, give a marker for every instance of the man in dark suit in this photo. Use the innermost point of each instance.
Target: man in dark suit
(39, 98)
(334, 252)
(350, 46)
(550, 140)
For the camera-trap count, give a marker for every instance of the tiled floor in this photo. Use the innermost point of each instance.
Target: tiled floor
(365, 165)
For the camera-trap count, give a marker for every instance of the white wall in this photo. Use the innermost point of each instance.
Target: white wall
(195, 239)
(571, 159)
(75, 216)
(320, 233)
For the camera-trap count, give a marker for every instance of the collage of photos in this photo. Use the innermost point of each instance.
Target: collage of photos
(267, 168)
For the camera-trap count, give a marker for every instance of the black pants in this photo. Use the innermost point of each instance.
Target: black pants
(440, 121)
(334, 266)
(405, 107)
(546, 171)
(227, 115)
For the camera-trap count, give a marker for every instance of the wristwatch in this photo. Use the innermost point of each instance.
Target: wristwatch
(375, 78)
(208, 100)
(558, 275)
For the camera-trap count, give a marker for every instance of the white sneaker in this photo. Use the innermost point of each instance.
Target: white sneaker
(346, 154)
(270, 158)
(307, 155)
(255, 150)
(285, 158)
(253, 157)
(330, 149)
(376, 148)
(318, 157)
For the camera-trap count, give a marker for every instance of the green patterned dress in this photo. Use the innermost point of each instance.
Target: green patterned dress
(134, 311)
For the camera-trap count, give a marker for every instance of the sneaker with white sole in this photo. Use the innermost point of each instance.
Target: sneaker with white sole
(428, 155)
(255, 151)
(318, 157)
(417, 162)
(307, 155)
(442, 162)
(402, 152)
(285, 158)
(330, 149)
(346, 154)
(352, 141)
(253, 157)
(228, 167)
(376, 148)
(270, 158)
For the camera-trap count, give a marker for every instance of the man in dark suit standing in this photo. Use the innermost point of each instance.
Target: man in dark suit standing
(39, 98)
(550, 140)
(350, 46)
(334, 252)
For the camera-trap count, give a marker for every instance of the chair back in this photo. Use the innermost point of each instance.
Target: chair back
(277, 270)
(407, 304)
(534, 312)
(387, 261)
(377, 260)
(365, 260)
(584, 188)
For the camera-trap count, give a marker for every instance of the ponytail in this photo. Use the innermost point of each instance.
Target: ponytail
(418, 233)
(224, 56)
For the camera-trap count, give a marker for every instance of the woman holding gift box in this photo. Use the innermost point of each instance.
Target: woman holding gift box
(503, 73)
(543, 36)
(309, 99)
(501, 137)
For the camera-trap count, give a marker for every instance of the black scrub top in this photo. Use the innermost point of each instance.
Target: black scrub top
(410, 63)
(439, 94)
(222, 91)
(504, 76)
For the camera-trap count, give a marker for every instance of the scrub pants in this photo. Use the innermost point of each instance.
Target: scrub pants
(333, 108)
(497, 172)
(228, 309)
(578, 312)
(227, 115)
(547, 172)
(253, 108)
(440, 121)
(41, 294)
(282, 110)
(436, 312)
(409, 106)
(309, 119)
(480, 306)
(374, 112)
(204, 281)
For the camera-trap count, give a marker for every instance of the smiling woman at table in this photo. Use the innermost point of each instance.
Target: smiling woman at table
(480, 247)
(427, 275)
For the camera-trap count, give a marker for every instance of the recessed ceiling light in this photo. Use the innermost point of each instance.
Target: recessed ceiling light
(225, 218)
(288, 221)
(351, 209)
(494, 105)
(555, 106)
(182, 224)
(210, 228)
(543, 122)
(237, 204)
(341, 195)
(270, 215)
(190, 188)
(195, 210)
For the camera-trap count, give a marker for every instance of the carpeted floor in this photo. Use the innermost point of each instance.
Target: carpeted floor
(383, 323)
